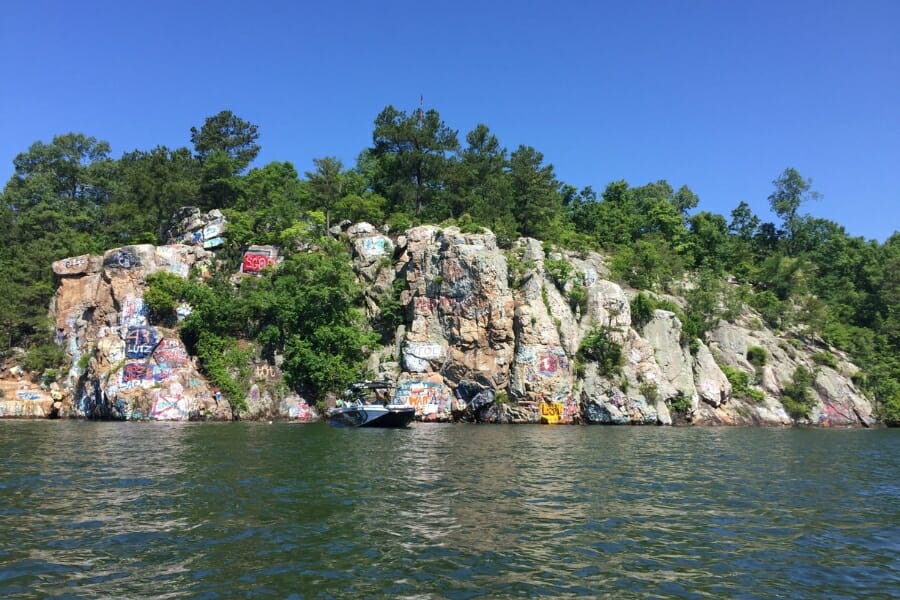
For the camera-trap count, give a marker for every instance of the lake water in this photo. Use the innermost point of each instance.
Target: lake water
(253, 510)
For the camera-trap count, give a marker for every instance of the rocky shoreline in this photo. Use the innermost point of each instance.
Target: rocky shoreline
(488, 335)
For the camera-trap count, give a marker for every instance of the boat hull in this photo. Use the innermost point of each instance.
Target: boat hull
(372, 416)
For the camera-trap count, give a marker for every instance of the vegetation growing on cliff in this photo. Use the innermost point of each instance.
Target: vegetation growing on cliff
(68, 197)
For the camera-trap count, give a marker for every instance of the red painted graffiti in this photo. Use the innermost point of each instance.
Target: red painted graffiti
(254, 263)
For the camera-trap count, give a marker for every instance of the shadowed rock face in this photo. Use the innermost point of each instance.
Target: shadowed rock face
(488, 335)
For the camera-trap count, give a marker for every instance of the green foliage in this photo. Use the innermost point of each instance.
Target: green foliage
(518, 269)
(680, 404)
(769, 306)
(642, 308)
(413, 155)
(826, 359)
(650, 263)
(796, 396)
(703, 308)
(227, 365)
(326, 185)
(757, 356)
(44, 356)
(559, 270)
(740, 384)
(598, 346)
(649, 391)
(230, 136)
(536, 194)
(578, 297)
(165, 291)
(791, 190)
(392, 311)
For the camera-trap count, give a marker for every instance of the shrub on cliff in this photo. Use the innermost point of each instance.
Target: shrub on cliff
(796, 396)
(598, 346)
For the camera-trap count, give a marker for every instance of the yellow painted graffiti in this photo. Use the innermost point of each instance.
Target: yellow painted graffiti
(551, 412)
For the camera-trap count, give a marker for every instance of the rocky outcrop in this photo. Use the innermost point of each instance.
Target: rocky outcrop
(124, 367)
(488, 335)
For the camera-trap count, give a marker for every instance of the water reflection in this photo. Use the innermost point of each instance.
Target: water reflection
(440, 511)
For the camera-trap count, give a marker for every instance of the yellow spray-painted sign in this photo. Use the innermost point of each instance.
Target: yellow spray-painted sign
(551, 412)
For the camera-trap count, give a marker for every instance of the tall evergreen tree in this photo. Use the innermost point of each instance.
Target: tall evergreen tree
(414, 153)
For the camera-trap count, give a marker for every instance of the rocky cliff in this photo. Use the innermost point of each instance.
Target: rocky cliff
(488, 335)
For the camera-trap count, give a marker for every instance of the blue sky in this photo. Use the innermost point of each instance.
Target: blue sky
(721, 96)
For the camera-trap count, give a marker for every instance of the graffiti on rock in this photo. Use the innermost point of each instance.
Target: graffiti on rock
(171, 352)
(134, 371)
(256, 262)
(123, 258)
(173, 406)
(416, 356)
(551, 412)
(265, 371)
(140, 342)
(134, 312)
(526, 355)
(430, 399)
(374, 246)
(298, 410)
(213, 230)
(836, 413)
(548, 365)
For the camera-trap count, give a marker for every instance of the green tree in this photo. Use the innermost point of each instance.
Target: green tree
(225, 146)
(69, 161)
(326, 184)
(480, 185)
(151, 186)
(536, 194)
(709, 241)
(414, 155)
(227, 133)
(50, 209)
(791, 190)
(271, 199)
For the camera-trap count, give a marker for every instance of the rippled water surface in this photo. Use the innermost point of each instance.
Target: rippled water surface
(135, 510)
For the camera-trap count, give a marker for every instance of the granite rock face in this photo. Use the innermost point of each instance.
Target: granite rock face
(488, 335)
(499, 333)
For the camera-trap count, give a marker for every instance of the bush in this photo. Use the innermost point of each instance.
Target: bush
(757, 356)
(825, 358)
(740, 384)
(599, 347)
(578, 298)
(649, 391)
(642, 308)
(162, 297)
(44, 356)
(769, 306)
(559, 271)
(680, 404)
(796, 397)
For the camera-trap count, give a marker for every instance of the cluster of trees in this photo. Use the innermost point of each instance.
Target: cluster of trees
(803, 274)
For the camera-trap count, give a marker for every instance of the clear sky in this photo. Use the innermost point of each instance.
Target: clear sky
(721, 95)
